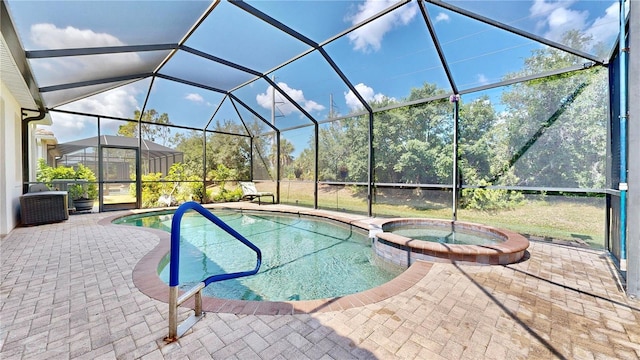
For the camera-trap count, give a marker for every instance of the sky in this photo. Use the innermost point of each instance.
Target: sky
(384, 59)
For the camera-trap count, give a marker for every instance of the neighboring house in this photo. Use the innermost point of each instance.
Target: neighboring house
(154, 157)
(45, 139)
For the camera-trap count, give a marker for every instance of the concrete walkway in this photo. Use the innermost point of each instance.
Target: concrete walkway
(67, 292)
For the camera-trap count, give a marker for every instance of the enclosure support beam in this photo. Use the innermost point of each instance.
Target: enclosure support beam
(633, 225)
(278, 167)
(139, 162)
(203, 199)
(455, 99)
(100, 169)
(370, 188)
(623, 186)
(316, 132)
(251, 158)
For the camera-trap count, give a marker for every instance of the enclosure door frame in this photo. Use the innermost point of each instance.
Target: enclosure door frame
(105, 182)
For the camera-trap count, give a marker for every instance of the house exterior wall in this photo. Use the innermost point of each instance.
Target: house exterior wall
(11, 161)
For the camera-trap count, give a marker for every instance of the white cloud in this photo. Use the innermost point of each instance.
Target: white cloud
(54, 71)
(562, 20)
(605, 27)
(194, 97)
(66, 127)
(282, 104)
(369, 37)
(482, 79)
(51, 37)
(544, 8)
(197, 98)
(367, 94)
(557, 17)
(119, 102)
(442, 17)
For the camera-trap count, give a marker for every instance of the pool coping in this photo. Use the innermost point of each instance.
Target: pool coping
(146, 279)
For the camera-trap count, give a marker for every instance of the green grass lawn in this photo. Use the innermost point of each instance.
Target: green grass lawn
(576, 220)
(119, 199)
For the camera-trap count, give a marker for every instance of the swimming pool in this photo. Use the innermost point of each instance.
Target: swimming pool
(304, 258)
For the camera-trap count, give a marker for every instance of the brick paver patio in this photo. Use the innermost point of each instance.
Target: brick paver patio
(68, 292)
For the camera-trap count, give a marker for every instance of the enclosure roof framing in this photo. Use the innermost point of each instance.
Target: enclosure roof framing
(231, 51)
(515, 30)
(39, 54)
(438, 46)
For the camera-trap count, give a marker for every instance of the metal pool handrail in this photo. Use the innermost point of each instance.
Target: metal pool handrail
(176, 331)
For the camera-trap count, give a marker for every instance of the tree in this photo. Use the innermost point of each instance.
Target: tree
(191, 146)
(150, 131)
(413, 163)
(223, 148)
(286, 157)
(477, 140)
(333, 150)
(555, 127)
(232, 151)
(303, 165)
(413, 144)
(432, 125)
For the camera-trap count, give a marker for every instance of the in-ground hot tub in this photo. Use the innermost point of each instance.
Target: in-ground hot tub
(403, 241)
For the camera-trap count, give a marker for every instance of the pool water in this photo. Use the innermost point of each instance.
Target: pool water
(446, 235)
(303, 258)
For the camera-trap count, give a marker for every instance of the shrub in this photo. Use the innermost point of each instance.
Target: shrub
(222, 174)
(151, 189)
(198, 192)
(490, 199)
(46, 174)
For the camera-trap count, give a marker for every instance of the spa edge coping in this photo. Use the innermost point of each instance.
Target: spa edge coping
(511, 249)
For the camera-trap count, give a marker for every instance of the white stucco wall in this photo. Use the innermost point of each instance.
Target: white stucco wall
(10, 161)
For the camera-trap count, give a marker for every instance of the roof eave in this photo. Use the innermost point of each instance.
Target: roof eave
(16, 72)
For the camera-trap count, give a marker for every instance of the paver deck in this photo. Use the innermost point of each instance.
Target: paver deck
(68, 292)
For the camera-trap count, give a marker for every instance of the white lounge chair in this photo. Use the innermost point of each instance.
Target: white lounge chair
(249, 192)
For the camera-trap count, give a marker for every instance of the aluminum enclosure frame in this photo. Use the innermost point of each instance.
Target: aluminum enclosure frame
(633, 275)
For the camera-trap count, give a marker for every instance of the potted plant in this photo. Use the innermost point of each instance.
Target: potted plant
(84, 193)
(79, 182)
